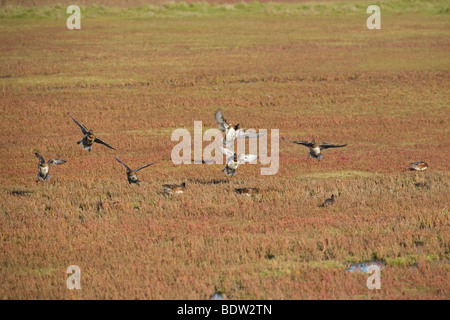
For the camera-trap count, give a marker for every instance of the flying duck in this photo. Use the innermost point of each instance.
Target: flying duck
(89, 138)
(315, 149)
(43, 167)
(132, 174)
(247, 191)
(174, 188)
(328, 202)
(418, 166)
(218, 296)
(234, 161)
(233, 131)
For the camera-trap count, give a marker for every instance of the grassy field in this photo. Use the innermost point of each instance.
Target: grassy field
(135, 74)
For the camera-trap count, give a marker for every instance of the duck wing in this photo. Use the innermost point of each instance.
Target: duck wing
(303, 143)
(242, 158)
(144, 166)
(128, 169)
(325, 145)
(230, 154)
(223, 124)
(226, 151)
(56, 161)
(41, 160)
(98, 140)
(249, 134)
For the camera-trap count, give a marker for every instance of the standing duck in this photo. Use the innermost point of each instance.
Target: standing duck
(328, 202)
(247, 191)
(418, 166)
(174, 188)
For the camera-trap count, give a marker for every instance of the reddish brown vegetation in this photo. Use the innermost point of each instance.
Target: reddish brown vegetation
(135, 81)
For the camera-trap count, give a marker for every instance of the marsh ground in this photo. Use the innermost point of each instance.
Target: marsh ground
(135, 75)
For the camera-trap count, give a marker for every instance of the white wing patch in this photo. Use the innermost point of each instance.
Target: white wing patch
(250, 133)
(226, 151)
(246, 158)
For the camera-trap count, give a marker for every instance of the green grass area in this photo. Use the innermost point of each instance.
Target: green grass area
(205, 9)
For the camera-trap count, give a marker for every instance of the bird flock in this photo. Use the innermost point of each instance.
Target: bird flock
(233, 160)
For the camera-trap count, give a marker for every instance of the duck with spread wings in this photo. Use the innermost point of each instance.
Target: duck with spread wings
(315, 149)
(43, 167)
(234, 131)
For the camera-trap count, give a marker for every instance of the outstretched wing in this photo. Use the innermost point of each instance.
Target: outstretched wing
(304, 143)
(56, 161)
(329, 145)
(83, 128)
(249, 134)
(98, 140)
(223, 124)
(122, 164)
(230, 154)
(144, 166)
(41, 160)
(246, 158)
(226, 151)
